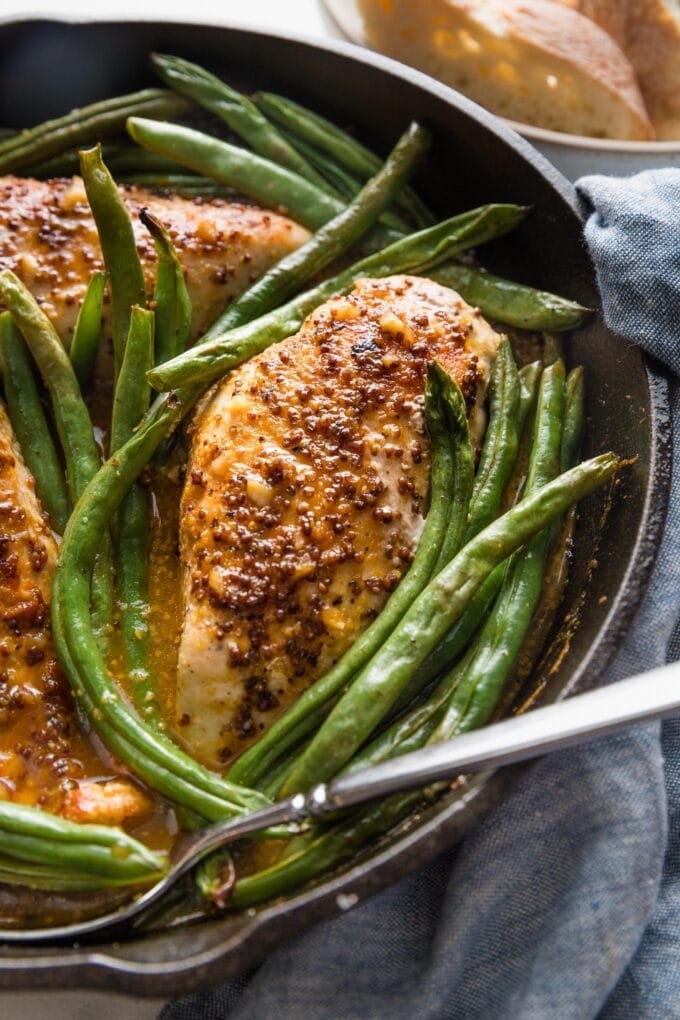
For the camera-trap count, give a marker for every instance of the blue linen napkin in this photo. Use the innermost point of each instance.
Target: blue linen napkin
(565, 901)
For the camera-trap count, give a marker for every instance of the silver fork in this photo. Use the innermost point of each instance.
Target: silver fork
(586, 716)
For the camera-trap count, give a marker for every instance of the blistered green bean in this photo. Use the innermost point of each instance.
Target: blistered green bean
(88, 330)
(30, 424)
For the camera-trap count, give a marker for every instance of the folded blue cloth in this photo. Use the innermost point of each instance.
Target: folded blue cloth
(565, 901)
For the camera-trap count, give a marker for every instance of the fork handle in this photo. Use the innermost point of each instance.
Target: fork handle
(641, 698)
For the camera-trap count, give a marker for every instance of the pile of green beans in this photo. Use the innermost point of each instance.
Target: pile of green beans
(437, 660)
(267, 183)
(236, 110)
(88, 124)
(344, 150)
(414, 254)
(264, 138)
(46, 852)
(463, 698)
(320, 850)
(440, 604)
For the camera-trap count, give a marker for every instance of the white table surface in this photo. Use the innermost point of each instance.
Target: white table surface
(307, 18)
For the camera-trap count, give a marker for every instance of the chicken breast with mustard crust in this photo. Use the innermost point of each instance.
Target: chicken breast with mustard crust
(45, 756)
(48, 238)
(305, 496)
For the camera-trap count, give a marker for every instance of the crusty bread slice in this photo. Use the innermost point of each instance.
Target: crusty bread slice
(534, 61)
(648, 31)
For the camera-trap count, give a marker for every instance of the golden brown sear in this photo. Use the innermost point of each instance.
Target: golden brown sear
(48, 238)
(305, 496)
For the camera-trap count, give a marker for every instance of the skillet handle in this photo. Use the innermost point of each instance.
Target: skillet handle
(641, 698)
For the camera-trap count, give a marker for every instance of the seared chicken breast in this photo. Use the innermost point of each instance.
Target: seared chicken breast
(305, 496)
(45, 757)
(37, 762)
(48, 238)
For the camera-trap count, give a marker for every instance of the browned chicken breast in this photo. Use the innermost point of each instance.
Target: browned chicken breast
(305, 496)
(44, 756)
(48, 238)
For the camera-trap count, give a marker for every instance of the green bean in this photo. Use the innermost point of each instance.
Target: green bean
(412, 730)
(71, 417)
(85, 125)
(574, 417)
(451, 478)
(88, 330)
(501, 444)
(33, 837)
(119, 158)
(512, 304)
(461, 491)
(342, 147)
(271, 185)
(30, 425)
(52, 879)
(555, 571)
(322, 852)
(190, 185)
(344, 184)
(118, 246)
(126, 158)
(529, 377)
(236, 110)
(70, 414)
(131, 546)
(499, 644)
(417, 253)
(172, 303)
(332, 240)
(438, 606)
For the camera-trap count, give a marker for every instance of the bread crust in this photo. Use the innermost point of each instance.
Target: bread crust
(535, 61)
(648, 31)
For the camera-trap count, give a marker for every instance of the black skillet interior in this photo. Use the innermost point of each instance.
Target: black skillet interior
(47, 68)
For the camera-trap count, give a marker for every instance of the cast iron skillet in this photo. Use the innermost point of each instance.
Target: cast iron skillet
(49, 67)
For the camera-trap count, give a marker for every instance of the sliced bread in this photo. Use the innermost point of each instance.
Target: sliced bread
(648, 31)
(534, 61)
